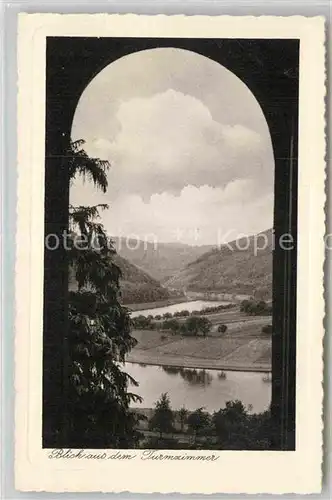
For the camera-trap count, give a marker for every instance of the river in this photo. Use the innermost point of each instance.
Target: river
(199, 388)
(193, 305)
(195, 388)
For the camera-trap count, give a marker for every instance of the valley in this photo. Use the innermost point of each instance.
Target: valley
(160, 260)
(168, 273)
(202, 277)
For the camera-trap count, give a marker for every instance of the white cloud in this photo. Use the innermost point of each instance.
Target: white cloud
(238, 136)
(195, 216)
(170, 139)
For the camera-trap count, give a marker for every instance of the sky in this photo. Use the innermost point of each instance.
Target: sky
(190, 150)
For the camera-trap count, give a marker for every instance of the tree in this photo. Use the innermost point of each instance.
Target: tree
(197, 421)
(182, 414)
(81, 164)
(191, 325)
(254, 307)
(197, 324)
(183, 329)
(244, 305)
(237, 429)
(99, 336)
(235, 411)
(205, 326)
(171, 324)
(261, 307)
(141, 322)
(230, 425)
(222, 328)
(163, 418)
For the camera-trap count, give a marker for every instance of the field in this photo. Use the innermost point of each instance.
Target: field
(242, 347)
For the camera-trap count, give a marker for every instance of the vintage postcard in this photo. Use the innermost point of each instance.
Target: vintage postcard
(170, 248)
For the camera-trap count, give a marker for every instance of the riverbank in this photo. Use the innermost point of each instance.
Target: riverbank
(198, 363)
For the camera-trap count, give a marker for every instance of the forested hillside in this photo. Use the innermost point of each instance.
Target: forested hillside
(237, 270)
(136, 285)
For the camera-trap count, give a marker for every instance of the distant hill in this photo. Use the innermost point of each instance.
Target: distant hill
(162, 260)
(137, 286)
(230, 270)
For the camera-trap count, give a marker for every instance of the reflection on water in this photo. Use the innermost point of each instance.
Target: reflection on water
(195, 388)
(192, 376)
(171, 370)
(197, 377)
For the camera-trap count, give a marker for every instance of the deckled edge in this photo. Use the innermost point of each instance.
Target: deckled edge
(324, 204)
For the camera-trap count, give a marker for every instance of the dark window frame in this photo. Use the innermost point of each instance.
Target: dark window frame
(270, 68)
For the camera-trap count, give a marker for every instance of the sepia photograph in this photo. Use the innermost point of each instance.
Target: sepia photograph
(170, 235)
(169, 166)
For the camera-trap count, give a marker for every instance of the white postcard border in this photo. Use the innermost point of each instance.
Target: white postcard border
(234, 471)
